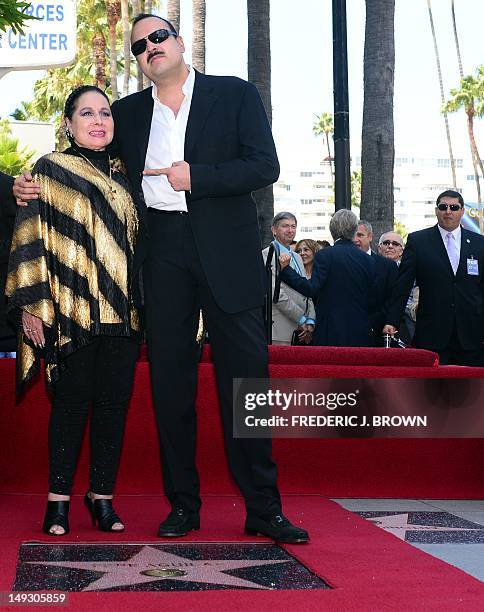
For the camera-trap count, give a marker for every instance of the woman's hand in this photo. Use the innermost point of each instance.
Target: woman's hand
(33, 329)
(284, 260)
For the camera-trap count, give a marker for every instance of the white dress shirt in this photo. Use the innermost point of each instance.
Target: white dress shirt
(165, 146)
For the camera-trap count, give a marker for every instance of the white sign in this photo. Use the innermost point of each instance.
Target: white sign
(47, 42)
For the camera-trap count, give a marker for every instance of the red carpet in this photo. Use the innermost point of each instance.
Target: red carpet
(328, 467)
(368, 568)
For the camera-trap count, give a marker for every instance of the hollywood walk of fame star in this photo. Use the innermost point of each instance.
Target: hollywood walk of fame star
(126, 573)
(398, 525)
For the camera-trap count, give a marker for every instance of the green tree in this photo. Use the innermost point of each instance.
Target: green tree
(51, 91)
(356, 189)
(324, 124)
(480, 92)
(22, 112)
(259, 73)
(400, 228)
(377, 137)
(471, 89)
(13, 160)
(13, 15)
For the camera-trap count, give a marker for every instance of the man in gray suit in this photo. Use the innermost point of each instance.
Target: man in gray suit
(293, 310)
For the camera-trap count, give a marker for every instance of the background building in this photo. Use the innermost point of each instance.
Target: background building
(308, 192)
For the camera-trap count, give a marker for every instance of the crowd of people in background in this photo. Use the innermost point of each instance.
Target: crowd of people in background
(427, 293)
(407, 291)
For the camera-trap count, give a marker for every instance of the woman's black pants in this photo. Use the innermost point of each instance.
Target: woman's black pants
(99, 377)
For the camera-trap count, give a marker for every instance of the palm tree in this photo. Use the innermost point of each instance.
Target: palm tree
(113, 10)
(51, 91)
(99, 47)
(377, 138)
(173, 13)
(259, 73)
(13, 159)
(126, 45)
(198, 44)
(148, 7)
(480, 92)
(324, 124)
(456, 38)
(470, 111)
(464, 98)
(139, 73)
(13, 15)
(442, 96)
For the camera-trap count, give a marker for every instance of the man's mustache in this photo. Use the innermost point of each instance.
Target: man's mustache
(153, 54)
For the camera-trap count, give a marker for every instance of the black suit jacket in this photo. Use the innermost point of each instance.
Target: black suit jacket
(445, 299)
(342, 285)
(386, 271)
(231, 152)
(7, 220)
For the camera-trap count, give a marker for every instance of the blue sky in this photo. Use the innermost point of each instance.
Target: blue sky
(301, 40)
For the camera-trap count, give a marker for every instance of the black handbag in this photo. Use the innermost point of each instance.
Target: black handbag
(295, 334)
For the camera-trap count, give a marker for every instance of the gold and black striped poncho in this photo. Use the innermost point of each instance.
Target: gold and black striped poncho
(71, 259)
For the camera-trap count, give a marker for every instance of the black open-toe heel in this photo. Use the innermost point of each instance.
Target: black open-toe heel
(57, 513)
(102, 513)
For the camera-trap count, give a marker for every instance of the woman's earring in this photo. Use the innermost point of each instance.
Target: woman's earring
(68, 133)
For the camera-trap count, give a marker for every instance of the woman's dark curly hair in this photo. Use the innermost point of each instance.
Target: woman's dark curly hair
(73, 97)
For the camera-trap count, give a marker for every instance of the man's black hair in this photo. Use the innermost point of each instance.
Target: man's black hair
(142, 16)
(451, 194)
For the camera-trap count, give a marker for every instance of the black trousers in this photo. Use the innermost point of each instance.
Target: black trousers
(454, 354)
(176, 289)
(99, 377)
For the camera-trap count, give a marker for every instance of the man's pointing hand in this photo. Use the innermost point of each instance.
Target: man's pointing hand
(178, 175)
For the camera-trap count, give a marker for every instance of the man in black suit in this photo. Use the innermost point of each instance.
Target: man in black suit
(447, 263)
(386, 272)
(205, 144)
(7, 220)
(342, 286)
(391, 246)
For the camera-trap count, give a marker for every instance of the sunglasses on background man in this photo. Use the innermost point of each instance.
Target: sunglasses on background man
(394, 243)
(452, 207)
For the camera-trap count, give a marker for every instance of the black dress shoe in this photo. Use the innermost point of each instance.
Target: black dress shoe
(178, 523)
(276, 527)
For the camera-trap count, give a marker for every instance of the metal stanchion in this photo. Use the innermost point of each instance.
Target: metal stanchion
(271, 298)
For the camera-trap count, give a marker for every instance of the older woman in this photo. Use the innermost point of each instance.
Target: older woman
(342, 285)
(71, 279)
(307, 249)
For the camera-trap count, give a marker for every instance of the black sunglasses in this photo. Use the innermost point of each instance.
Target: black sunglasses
(453, 207)
(394, 243)
(156, 37)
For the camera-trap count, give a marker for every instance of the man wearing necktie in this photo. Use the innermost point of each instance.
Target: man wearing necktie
(446, 261)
